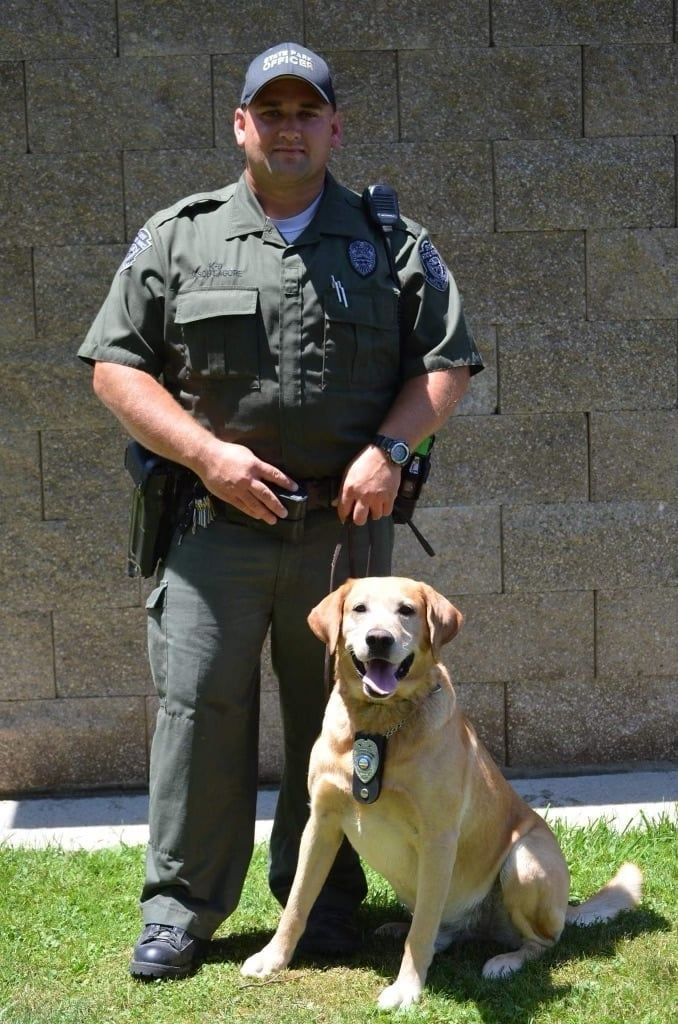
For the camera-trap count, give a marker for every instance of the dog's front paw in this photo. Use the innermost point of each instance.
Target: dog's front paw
(399, 996)
(263, 964)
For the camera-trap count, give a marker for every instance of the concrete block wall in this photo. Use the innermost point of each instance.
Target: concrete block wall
(537, 140)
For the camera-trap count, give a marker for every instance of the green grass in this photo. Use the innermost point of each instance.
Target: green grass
(68, 922)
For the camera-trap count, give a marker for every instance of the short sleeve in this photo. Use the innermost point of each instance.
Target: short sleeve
(433, 329)
(129, 327)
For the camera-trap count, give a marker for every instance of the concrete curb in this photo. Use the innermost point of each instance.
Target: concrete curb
(96, 822)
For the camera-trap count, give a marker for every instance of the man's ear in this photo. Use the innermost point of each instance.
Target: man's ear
(337, 136)
(239, 126)
(325, 618)
(444, 620)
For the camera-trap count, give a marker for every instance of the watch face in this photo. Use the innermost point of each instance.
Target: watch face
(399, 453)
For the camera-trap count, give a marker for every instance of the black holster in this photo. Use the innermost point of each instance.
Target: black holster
(158, 484)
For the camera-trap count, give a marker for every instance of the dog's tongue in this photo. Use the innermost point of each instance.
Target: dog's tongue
(381, 675)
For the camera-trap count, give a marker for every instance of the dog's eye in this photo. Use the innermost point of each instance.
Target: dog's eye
(406, 609)
(359, 608)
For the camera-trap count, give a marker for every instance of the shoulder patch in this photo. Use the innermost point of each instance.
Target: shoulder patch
(141, 242)
(363, 256)
(435, 271)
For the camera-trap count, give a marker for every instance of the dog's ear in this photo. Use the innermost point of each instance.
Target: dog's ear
(444, 620)
(325, 618)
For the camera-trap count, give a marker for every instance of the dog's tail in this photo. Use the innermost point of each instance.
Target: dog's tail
(623, 892)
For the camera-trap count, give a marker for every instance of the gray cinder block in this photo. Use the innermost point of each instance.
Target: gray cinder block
(633, 274)
(585, 183)
(101, 652)
(12, 108)
(26, 656)
(87, 105)
(510, 459)
(592, 722)
(20, 474)
(68, 744)
(467, 545)
(637, 632)
(447, 186)
(80, 199)
(71, 282)
(523, 277)
(581, 365)
(154, 180)
(57, 30)
(175, 26)
(484, 705)
(16, 298)
(573, 22)
(524, 636)
(389, 24)
(630, 90)
(489, 93)
(590, 546)
(634, 455)
(83, 472)
(80, 559)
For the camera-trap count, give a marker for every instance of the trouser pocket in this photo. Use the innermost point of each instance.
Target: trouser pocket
(157, 637)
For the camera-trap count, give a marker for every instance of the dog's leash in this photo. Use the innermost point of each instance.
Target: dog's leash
(345, 540)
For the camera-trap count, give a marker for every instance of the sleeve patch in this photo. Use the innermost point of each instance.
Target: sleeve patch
(435, 271)
(142, 242)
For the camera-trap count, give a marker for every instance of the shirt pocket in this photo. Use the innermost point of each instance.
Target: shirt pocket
(220, 334)
(361, 346)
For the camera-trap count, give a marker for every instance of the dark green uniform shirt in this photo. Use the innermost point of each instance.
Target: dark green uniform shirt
(296, 351)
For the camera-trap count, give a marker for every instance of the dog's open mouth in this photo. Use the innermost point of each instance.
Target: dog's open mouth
(380, 678)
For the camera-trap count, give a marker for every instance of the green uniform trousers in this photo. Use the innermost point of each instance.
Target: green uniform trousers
(218, 592)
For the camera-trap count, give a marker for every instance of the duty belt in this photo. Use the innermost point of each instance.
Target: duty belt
(317, 495)
(321, 493)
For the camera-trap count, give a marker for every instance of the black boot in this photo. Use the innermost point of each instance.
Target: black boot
(330, 932)
(164, 951)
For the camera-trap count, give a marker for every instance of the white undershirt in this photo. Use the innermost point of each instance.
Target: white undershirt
(291, 227)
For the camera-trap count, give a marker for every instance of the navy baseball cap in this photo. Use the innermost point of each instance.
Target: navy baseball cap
(288, 60)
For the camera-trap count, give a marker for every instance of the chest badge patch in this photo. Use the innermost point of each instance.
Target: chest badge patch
(435, 271)
(141, 242)
(363, 257)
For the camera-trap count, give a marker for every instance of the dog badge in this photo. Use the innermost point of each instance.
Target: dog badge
(435, 271)
(369, 750)
(363, 257)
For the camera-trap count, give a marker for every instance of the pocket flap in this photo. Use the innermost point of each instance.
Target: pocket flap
(156, 598)
(376, 309)
(201, 305)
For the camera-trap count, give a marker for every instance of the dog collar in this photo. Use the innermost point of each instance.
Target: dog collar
(369, 758)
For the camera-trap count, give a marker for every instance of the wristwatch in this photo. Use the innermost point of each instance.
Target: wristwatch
(397, 450)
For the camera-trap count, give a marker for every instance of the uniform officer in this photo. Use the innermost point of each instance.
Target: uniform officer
(255, 336)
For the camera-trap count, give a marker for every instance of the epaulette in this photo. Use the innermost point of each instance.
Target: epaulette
(222, 195)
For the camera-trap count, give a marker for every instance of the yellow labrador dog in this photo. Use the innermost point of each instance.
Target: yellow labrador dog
(400, 771)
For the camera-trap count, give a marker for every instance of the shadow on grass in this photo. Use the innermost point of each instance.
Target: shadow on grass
(457, 973)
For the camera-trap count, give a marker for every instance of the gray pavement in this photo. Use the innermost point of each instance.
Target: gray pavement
(94, 822)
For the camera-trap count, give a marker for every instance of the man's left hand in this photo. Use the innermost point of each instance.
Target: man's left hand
(369, 487)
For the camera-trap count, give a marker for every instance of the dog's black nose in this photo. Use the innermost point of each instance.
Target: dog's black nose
(379, 642)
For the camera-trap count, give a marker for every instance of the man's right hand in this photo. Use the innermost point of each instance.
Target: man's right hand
(153, 416)
(233, 473)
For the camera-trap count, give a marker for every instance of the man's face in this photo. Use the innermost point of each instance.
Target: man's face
(287, 133)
